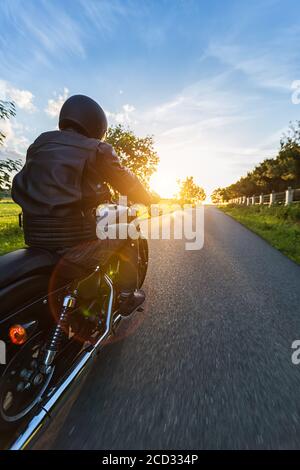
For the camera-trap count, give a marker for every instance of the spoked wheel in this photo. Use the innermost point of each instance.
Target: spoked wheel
(22, 384)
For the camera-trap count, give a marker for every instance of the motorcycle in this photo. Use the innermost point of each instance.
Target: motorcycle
(52, 332)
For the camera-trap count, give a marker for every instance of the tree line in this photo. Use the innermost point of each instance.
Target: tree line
(273, 174)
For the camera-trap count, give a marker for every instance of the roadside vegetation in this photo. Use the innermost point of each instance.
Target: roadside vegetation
(11, 236)
(273, 174)
(190, 192)
(279, 225)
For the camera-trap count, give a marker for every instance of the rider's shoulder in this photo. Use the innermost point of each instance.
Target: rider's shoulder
(106, 149)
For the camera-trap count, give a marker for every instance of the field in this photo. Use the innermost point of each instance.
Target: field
(279, 225)
(11, 236)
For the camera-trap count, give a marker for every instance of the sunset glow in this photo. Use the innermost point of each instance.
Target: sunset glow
(162, 184)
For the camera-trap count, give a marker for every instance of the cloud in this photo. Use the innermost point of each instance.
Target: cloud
(48, 28)
(22, 98)
(258, 65)
(54, 32)
(203, 106)
(15, 143)
(54, 105)
(272, 64)
(106, 14)
(122, 117)
(9, 153)
(208, 129)
(7, 129)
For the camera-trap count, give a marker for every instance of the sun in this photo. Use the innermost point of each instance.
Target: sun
(166, 186)
(162, 184)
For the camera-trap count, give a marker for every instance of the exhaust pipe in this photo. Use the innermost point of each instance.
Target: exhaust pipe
(38, 421)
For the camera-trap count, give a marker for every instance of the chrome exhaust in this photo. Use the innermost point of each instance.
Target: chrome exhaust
(38, 421)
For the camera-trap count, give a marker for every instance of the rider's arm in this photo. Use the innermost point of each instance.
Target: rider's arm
(119, 177)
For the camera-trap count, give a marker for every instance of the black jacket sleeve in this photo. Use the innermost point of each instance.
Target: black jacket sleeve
(119, 177)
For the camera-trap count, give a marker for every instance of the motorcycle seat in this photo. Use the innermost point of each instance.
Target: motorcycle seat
(25, 262)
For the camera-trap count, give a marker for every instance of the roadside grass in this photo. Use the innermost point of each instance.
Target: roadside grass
(11, 236)
(279, 225)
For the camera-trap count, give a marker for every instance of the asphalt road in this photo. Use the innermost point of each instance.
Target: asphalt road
(207, 365)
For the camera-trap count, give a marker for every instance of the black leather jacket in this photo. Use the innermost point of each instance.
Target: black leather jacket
(62, 182)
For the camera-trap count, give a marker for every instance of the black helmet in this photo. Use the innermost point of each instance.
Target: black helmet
(84, 114)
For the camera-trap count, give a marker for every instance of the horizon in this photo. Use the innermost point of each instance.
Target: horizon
(212, 83)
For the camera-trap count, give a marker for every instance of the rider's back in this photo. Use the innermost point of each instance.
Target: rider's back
(59, 177)
(61, 183)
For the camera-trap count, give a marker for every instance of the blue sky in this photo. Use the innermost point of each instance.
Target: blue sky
(212, 81)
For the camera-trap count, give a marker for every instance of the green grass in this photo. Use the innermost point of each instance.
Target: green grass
(11, 236)
(279, 225)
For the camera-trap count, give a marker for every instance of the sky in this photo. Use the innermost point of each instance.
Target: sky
(215, 83)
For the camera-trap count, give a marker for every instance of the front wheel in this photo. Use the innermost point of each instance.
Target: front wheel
(22, 384)
(144, 258)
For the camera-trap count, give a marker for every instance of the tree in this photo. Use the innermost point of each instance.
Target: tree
(289, 155)
(217, 196)
(136, 153)
(190, 192)
(273, 173)
(7, 166)
(7, 110)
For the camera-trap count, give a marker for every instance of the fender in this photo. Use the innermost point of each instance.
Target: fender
(23, 302)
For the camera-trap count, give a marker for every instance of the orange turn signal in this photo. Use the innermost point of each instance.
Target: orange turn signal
(17, 334)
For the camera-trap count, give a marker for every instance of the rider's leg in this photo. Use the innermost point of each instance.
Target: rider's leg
(77, 261)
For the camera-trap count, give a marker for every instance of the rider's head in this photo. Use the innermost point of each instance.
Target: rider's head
(84, 115)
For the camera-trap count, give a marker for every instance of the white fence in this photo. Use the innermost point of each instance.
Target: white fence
(285, 197)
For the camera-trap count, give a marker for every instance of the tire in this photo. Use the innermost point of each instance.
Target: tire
(17, 405)
(144, 255)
